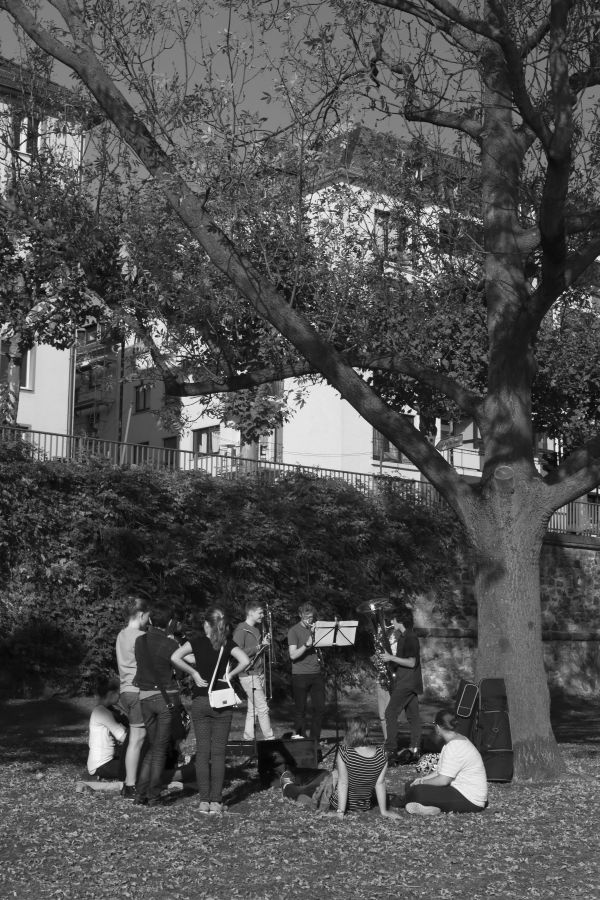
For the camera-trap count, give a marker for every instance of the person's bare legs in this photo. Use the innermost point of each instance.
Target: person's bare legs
(137, 733)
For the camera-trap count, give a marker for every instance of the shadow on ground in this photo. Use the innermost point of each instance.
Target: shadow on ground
(52, 730)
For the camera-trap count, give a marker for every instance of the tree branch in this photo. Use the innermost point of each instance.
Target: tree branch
(265, 299)
(443, 15)
(467, 125)
(469, 402)
(565, 277)
(577, 474)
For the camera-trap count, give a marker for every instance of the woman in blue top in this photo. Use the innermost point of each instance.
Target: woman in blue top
(199, 657)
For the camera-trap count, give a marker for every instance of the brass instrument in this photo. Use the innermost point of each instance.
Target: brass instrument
(384, 671)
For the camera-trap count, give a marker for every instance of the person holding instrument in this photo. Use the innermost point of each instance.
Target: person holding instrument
(307, 673)
(408, 683)
(249, 638)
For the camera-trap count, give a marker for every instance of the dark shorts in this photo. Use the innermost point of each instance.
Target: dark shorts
(131, 705)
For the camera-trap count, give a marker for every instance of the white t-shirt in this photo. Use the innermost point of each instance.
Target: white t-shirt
(104, 730)
(461, 761)
(125, 649)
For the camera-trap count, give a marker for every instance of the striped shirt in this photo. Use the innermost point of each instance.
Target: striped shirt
(363, 772)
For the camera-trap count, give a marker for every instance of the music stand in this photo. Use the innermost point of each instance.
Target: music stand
(335, 634)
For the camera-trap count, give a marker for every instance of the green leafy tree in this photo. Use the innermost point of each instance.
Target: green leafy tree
(517, 83)
(54, 254)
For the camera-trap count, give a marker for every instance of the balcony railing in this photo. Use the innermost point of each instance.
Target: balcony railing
(579, 517)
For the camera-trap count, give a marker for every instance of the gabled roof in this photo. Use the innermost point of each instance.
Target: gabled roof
(352, 155)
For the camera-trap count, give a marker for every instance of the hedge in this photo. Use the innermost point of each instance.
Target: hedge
(76, 539)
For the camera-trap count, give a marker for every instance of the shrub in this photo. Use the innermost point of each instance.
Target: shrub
(75, 539)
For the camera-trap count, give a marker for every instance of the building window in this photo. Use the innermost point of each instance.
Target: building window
(27, 368)
(385, 451)
(207, 440)
(142, 397)
(391, 234)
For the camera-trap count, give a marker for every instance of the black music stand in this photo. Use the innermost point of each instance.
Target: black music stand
(335, 634)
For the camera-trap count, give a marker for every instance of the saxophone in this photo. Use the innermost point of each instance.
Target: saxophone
(385, 672)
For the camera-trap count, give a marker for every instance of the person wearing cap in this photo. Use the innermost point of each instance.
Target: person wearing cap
(459, 783)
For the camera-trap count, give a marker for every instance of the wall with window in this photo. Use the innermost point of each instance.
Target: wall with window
(44, 401)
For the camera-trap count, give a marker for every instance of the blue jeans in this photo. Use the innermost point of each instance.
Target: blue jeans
(211, 727)
(157, 719)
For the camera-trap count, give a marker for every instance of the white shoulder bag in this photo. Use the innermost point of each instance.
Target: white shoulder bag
(222, 697)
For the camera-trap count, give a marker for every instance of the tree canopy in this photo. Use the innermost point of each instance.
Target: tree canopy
(225, 128)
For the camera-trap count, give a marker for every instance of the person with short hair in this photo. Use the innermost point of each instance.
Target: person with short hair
(408, 683)
(138, 615)
(155, 679)
(249, 637)
(208, 653)
(307, 674)
(107, 731)
(459, 782)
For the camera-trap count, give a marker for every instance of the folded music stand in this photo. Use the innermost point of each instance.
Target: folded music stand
(335, 634)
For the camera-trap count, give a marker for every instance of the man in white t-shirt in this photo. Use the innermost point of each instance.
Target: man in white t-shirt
(138, 615)
(459, 783)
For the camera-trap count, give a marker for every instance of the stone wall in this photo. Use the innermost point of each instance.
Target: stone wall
(570, 585)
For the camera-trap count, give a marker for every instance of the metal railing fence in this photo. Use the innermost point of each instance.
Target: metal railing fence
(580, 517)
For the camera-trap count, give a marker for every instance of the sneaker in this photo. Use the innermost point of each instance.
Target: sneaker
(204, 807)
(417, 809)
(139, 800)
(286, 778)
(128, 792)
(216, 809)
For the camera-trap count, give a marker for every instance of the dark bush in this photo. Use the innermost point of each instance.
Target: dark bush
(76, 539)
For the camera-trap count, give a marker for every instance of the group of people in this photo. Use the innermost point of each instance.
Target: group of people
(148, 696)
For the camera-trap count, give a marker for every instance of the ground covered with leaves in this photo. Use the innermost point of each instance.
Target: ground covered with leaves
(534, 840)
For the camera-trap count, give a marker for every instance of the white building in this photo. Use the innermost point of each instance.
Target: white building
(37, 115)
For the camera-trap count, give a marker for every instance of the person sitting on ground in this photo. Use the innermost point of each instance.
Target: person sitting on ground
(459, 783)
(106, 759)
(359, 777)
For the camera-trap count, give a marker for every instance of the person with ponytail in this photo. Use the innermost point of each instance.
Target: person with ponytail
(210, 648)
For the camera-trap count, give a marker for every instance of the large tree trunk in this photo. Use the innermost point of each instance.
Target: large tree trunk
(507, 529)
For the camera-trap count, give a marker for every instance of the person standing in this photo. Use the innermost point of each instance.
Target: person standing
(154, 678)
(249, 638)
(211, 651)
(408, 684)
(138, 616)
(307, 674)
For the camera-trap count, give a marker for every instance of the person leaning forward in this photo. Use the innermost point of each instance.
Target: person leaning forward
(307, 674)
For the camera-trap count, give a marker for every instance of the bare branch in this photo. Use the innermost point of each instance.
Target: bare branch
(534, 38)
(443, 15)
(465, 124)
(577, 474)
(468, 401)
